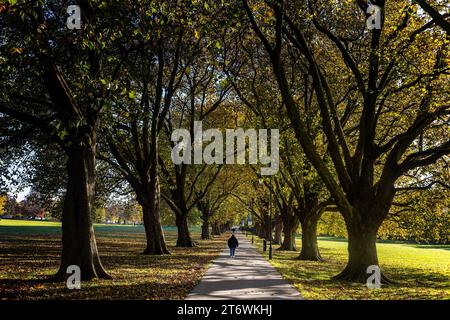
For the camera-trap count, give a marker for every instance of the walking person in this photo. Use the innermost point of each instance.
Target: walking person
(233, 244)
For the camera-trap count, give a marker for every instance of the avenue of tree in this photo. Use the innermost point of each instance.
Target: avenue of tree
(364, 117)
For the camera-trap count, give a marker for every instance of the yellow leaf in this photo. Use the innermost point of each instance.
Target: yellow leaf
(17, 50)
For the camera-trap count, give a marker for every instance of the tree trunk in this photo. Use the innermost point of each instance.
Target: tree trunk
(149, 197)
(156, 244)
(310, 249)
(79, 246)
(266, 228)
(215, 229)
(260, 231)
(205, 226)
(278, 230)
(205, 231)
(362, 253)
(184, 236)
(289, 231)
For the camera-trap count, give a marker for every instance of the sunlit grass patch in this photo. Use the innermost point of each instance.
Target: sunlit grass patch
(420, 272)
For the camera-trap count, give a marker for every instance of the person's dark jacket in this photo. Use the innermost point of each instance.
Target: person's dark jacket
(233, 242)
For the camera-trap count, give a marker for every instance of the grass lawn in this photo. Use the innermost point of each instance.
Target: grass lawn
(420, 271)
(30, 250)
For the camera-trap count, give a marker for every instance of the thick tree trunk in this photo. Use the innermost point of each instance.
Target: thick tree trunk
(149, 196)
(310, 249)
(362, 253)
(215, 229)
(150, 202)
(79, 246)
(289, 243)
(265, 229)
(260, 231)
(184, 237)
(278, 230)
(268, 229)
(290, 225)
(156, 244)
(205, 227)
(256, 230)
(205, 231)
(289, 231)
(362, 227)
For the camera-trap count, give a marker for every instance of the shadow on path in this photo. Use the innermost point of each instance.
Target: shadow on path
(248, 276)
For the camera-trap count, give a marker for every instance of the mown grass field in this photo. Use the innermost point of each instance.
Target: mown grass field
(30, 250)
(420, 271)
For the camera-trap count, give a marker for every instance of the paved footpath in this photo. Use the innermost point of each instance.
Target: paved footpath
(248, 276)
